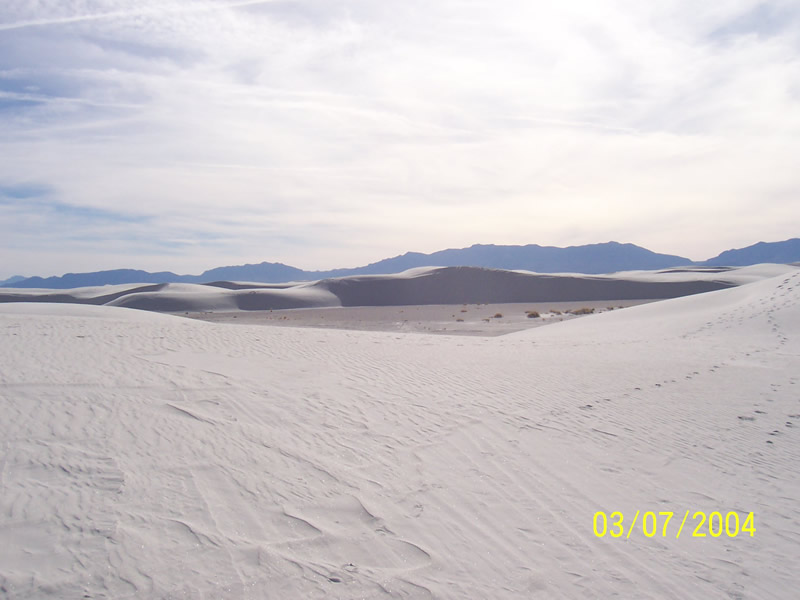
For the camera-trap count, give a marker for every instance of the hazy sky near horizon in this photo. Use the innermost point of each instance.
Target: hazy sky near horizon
(187, 134)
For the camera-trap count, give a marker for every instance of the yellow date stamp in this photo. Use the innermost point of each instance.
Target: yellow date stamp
(657, 524)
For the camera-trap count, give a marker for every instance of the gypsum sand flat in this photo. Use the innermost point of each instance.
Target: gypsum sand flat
(455, 319)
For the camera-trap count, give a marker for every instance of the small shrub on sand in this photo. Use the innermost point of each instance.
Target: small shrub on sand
(555, 312)
(459, 320)
(463, 310)
(532, 314)
(498, 316)
(581, 311)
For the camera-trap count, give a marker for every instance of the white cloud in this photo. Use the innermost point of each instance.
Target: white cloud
(335, 133)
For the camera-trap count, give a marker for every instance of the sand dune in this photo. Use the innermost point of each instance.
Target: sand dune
(429, 285)
(148, 456)
(192, 297)
(181, 297)
(87, 295)
(453, 285)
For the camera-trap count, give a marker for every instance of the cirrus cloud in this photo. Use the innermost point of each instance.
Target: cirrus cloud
(335, 133)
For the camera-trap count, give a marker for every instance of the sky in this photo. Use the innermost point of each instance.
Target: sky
(187, 134)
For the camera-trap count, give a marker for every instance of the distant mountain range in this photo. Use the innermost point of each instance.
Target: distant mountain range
(11, 280)
(609, 257)
(776, 252)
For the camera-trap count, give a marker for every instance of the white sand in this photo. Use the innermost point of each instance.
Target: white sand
(422, 286)
(445, 319)
(148, 456)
